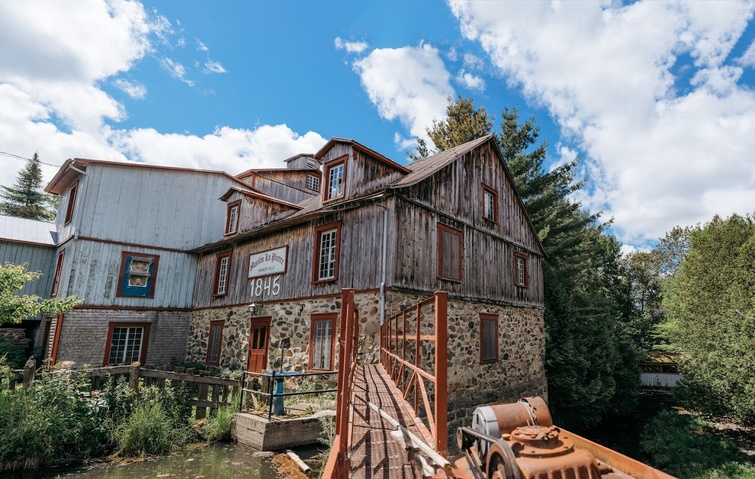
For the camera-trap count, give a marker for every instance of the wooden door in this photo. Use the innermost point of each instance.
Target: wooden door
(259, 337)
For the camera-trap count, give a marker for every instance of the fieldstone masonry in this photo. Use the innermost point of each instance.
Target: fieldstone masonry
(519, 371)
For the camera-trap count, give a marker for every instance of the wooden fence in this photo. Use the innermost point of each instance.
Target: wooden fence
(207, 392)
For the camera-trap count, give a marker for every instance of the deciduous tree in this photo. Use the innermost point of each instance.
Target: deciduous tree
(15, 307)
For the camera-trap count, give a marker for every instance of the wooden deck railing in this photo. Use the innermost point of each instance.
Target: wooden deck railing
(208, 392)
(338, 465)
(405, 364)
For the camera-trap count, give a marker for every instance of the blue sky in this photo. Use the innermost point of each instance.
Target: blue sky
(656, 98)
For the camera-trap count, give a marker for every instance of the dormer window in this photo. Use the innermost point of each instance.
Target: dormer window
(335, 173)
(313, 182)
(232, 218)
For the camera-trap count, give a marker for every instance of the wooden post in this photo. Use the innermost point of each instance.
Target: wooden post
(441, 373)
(133, 376)
(30, 368)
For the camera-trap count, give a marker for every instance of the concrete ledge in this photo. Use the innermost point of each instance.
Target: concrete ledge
(279, 432)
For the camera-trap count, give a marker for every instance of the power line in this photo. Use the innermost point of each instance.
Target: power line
(18, 157)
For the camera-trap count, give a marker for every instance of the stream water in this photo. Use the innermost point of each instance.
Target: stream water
(226, 461)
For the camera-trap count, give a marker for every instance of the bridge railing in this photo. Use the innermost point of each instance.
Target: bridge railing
(411, 339)
(339, 464)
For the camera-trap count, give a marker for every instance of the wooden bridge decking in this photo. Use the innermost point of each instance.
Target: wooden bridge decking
(373, 452)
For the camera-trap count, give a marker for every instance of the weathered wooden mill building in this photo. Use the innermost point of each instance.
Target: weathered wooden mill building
(176, 264)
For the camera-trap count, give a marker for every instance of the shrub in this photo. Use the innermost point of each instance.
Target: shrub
(148, 431)
(13, 354)
(218, 428)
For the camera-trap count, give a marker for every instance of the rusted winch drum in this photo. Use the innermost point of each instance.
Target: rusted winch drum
(499, 419)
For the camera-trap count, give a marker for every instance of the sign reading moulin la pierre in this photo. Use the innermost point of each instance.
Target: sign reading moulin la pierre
(266, 263)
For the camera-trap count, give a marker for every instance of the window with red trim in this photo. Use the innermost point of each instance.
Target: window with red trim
(58, 273)
(335, 176)
(488, 338)
(232, 217)
(222, 272)
(138, 275)
(321, 342)
(71, 202)
(489, 204)
(520, 270)
(126, 343)
(327, 246)
(450, 251)
(215, 342)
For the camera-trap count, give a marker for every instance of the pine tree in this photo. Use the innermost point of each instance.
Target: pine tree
(26, 199)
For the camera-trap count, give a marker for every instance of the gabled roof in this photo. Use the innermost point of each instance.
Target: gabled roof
(22, 230)
(73, 167)
(427, 167)
(251, 192)
(363, 149)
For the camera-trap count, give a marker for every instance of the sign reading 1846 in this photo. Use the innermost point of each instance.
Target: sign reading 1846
(267, 263)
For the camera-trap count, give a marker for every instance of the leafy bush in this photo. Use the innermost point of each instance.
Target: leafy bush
(687, 446)
(13, 354)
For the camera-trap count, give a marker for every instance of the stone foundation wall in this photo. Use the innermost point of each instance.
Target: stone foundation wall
(83, 337)
(289, 319)
(16, 336)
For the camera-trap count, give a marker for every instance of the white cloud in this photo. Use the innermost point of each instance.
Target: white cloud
(410, 84)
(202, 47)
(133, 89)
(350, 47)
(473, 62)
(748, 57)
(470, 81)
(213, 67)
(658, 157)
(52, 102)
(176, 70)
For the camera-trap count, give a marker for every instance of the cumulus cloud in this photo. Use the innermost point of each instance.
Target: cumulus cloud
(470, 81)
(52, 101)
(410, 84)
(748, 58)
(661, 152)
(350, 47)
(133, 89)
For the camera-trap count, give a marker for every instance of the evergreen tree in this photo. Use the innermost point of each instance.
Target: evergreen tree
(26, 199)
(591, 365)
(711, 318)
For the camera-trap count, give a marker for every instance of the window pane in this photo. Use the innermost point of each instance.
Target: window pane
(223, 274)
(489, 205)
(335, 181)
(321, 344)
(125, 345)
(327, 267)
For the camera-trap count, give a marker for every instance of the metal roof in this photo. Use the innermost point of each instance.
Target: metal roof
(22, 230)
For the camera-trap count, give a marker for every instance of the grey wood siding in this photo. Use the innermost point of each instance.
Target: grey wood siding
(285, 185)
(360, 256)
(91, 270)
(140, 205)
(255, 212)
(39, 258)
(363, 172)
(487, 260)
(457, 191)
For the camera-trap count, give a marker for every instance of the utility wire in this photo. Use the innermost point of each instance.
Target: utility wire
(11, 155)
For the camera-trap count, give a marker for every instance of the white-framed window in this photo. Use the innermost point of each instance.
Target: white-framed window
(336, 175)
(313, 182)
(520, 270)
(126, 343)
(327, 239)
(222, 269)
(321, 342)
(232, 218)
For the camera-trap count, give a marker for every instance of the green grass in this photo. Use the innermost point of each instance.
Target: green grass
(689, 447)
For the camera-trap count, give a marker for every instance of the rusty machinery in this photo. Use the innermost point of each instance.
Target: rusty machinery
(519, 441)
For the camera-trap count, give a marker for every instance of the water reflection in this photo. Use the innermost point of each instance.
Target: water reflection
(227, 461)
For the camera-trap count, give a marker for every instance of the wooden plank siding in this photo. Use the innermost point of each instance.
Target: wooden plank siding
(286, 185)
(255, 212)
(360, 255)
(363, 172)
(93, 275)
(140, 206)
(39, 258)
